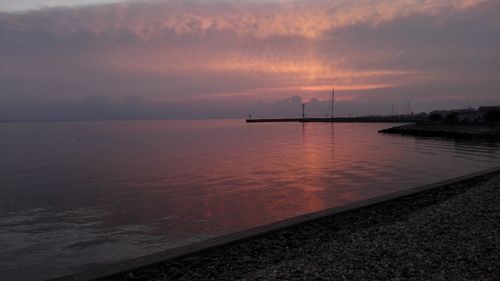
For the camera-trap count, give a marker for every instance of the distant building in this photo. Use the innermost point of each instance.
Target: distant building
(469, 115)
(489, 113)
(486, 109)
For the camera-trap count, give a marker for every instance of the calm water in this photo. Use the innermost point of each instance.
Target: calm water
(76, 194)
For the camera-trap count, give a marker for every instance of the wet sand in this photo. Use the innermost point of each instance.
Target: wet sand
(447, 233)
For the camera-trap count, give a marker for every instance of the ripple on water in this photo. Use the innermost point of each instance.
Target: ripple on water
(127, 189)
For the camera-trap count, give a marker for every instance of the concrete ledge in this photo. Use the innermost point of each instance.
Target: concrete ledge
(102, 272)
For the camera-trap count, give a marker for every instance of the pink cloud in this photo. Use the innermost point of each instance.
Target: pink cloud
(174, 51)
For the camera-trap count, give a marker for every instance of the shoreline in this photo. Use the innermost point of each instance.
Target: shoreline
(239, 254)
(445, 130)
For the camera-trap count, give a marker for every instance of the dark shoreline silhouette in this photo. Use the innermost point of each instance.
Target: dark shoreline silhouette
(446, 130)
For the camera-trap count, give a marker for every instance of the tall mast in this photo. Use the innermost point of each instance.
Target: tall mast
(333, 99)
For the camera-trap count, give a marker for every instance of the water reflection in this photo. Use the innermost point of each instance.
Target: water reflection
(78, 193)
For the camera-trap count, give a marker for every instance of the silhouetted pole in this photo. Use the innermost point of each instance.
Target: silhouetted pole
(303, 110)
(333, 100)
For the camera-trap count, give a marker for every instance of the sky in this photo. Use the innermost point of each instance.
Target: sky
(27, 5)
(149, 59)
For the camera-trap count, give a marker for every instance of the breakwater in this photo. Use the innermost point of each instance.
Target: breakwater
(445, 130)
(337, 119)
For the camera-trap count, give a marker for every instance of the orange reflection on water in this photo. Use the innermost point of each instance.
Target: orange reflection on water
(218, 176)
(238, 188)
(136, 187)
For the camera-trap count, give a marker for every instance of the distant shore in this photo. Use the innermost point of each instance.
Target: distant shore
(448, 232)
(445, 130)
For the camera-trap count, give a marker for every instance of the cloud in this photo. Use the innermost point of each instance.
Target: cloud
(184, 53)
(260, 19)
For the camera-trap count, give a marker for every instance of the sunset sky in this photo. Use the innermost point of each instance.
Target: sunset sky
(92, 59)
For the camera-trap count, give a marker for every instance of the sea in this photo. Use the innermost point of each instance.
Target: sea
(79, 194)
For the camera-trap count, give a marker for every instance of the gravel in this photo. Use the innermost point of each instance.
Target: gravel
(449, 233)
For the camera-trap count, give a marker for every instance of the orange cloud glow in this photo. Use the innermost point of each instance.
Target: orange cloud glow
(308, 19)
(188, 51)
